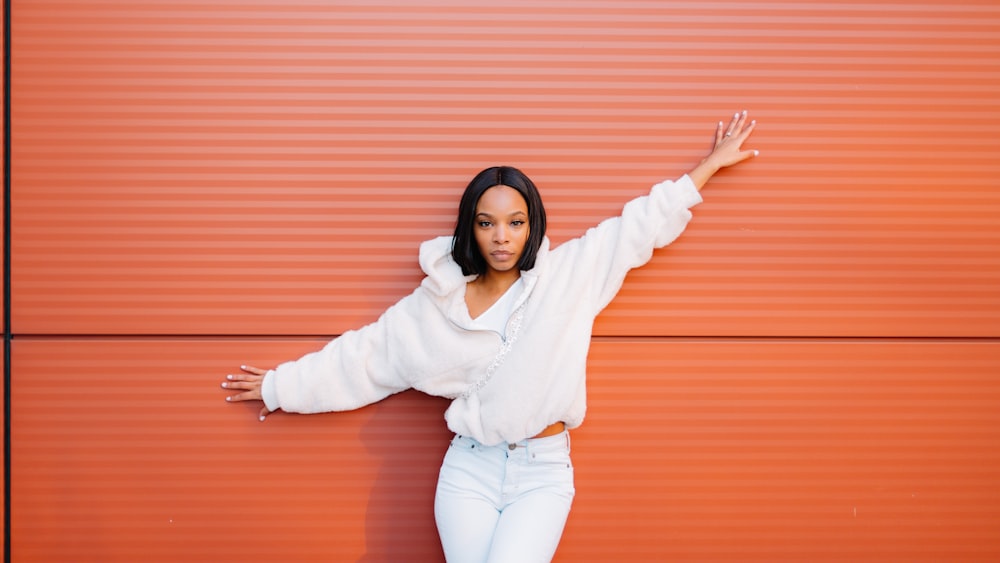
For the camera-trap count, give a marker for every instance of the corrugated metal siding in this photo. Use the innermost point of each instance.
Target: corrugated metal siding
(814, 373)
(695, 449)
(789, 450)
(237, 168)
(125, 451)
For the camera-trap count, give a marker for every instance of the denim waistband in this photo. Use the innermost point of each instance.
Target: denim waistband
(556, 442)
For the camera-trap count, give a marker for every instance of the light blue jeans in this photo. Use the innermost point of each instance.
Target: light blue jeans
(506, 503)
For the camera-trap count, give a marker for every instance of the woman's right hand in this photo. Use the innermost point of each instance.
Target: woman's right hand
(248, 383)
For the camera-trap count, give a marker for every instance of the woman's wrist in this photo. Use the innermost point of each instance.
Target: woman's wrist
(704, 171)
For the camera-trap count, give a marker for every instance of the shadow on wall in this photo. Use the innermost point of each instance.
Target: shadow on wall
(408, 435)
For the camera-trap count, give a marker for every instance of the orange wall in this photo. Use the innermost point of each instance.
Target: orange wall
(812, 372)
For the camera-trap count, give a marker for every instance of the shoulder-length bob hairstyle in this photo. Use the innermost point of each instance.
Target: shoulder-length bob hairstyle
(465, 250)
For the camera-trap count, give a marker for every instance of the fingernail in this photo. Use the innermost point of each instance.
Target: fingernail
(243, 367)
(224, 385)
(753, 122)
(736, 115)
(744, 112)
(262, 419)
(229, 399)
(229, 377)
(756, 152)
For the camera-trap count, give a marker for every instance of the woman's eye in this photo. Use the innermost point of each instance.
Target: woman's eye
(484, 224)
(517, 222)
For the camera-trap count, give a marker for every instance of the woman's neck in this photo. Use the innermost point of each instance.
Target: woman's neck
(494, 282)
(482, 292)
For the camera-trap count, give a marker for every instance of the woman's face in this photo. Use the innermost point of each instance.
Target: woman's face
(501, 227)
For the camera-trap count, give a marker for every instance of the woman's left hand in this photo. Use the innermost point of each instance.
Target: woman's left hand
(727, 150)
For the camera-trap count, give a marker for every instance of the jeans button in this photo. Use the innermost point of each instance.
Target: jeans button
(512, 446)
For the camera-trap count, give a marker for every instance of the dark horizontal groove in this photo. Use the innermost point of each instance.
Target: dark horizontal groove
(615, 338)
(141, 337)
(799, 338)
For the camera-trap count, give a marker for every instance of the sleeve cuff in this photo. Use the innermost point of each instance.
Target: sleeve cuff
(268, 392)
(689, 194)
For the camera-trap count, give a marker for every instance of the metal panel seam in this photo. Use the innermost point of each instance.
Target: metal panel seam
(7, 333)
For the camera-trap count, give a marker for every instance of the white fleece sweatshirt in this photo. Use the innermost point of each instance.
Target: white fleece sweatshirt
(502, 389)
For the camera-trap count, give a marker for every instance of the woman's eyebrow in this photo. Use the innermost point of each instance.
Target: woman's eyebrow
(511, 214)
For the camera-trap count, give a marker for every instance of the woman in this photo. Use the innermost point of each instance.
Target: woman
(501, 324)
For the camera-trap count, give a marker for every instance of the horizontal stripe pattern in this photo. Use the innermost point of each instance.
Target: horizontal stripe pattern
(694, 449)
(808, 374)
(252, 166)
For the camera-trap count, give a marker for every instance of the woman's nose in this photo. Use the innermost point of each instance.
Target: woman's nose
(500, 234)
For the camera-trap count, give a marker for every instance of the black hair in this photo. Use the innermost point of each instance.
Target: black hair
(465, 250)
